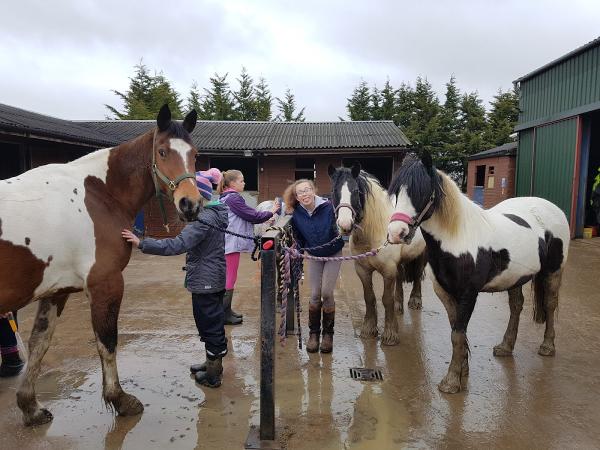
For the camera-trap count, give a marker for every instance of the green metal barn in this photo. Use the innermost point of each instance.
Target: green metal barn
(559, 132)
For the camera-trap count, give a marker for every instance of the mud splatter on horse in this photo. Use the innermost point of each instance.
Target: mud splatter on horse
(472, 250)
(60, 230)
(363, 209)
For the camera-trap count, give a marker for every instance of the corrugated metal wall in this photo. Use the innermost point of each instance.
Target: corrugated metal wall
(524, 163)
(554, 161)
(566, 86)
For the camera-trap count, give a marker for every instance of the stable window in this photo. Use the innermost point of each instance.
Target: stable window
(305, 168)
(491, 170)
(248, 166)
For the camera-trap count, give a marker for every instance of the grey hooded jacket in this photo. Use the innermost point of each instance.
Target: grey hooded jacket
(205, 247)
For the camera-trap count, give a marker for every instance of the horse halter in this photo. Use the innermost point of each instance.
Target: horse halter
(345, 205)
(413, 222)
(171, 184)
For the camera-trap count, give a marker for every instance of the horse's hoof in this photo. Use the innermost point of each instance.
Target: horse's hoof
(369, 331)
(448, 387)
(399, 308)
(40, 417)
(128, 405)
(546, 351)
(415, 303)
(500, 350)
(389, 338)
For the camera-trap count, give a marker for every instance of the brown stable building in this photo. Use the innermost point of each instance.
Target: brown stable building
(491, 175)
(270, 154)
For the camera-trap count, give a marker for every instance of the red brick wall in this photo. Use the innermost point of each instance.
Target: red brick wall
(504, 167)
(275, 173)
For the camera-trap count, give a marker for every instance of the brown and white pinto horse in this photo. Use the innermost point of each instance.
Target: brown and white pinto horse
(60, 232)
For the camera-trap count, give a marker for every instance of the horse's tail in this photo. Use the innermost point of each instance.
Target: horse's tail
(414, 270)
(539, 298)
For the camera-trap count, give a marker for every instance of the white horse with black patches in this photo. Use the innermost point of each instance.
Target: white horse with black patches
(60, 233)
(363, 209)
(471, 250)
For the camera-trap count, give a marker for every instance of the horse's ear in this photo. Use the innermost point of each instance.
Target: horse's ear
(190, 121)
(330, 170)
(426, 160)
(163, 120)
(355, 169)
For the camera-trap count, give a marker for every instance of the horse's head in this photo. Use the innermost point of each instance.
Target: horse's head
(349, 189)
(415, 192)
(174, 162)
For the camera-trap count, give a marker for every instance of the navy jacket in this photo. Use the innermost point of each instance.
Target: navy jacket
(317, 229)
(205, 247)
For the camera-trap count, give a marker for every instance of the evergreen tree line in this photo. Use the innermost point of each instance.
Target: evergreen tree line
(451, 131)
(251, 101)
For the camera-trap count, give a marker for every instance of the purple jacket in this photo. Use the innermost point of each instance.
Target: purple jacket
(241, 220)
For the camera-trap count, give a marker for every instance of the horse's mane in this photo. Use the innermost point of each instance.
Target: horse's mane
(449, 203)
(177, 131)
(377, 207)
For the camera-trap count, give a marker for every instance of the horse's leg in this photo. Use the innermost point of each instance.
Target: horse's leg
(515, 300)
(391, 333)
(399, 291)
(369, 325)
(106, 292)
(49, 309)
(551, 288)
(459, 314)
(417, 267)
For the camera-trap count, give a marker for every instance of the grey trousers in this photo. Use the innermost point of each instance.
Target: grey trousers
(322, 277)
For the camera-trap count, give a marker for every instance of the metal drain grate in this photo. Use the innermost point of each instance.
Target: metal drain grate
(362, 374)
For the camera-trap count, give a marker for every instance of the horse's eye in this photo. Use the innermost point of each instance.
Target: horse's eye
(162, 152)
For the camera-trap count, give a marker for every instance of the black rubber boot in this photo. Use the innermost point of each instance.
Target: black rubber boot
(233, 313)
(12, 365)
(228, 317)
(213, 374)
(328, 324)
(314, 324)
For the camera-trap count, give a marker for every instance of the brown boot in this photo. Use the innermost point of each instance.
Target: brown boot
(314, 324)
(328, 323)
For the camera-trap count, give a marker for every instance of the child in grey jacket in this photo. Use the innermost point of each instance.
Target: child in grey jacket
(205, 279)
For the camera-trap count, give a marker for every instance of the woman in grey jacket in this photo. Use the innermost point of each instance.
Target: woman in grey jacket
(241, 220)
(204, 278)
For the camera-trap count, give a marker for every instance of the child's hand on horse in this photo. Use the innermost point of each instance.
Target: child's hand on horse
(276, 206)
(130, 237)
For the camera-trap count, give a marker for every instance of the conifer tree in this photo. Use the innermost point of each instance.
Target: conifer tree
(502, 118)
(388, 101)
(287, 109)
(193, 100)
(218, 102)
(375, 112)
(245, 108)
(472, 130)
(404, 106)
(359, 104)
(423, 129)
(448, 156)
(263, 101)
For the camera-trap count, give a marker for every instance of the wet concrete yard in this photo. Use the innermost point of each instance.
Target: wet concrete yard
(523, 401)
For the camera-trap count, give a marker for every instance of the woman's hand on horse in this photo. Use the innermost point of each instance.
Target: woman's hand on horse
(130, 237)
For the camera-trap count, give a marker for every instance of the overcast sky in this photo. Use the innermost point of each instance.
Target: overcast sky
(62, 58)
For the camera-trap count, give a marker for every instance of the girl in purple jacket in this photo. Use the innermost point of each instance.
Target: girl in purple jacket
(241, 220)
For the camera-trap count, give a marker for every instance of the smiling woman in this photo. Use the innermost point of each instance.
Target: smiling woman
(313, 223)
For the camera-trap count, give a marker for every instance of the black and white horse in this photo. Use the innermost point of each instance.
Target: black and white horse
(363, 209)
(471, 250)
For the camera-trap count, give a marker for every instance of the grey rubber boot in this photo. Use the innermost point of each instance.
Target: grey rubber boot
(213, 375)
(233, 313)
(229, 318)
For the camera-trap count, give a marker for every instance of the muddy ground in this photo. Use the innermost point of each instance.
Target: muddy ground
(524, 401)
